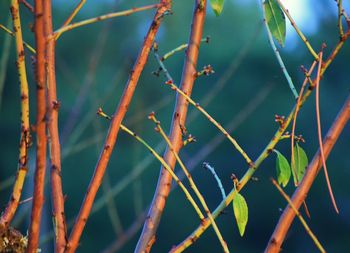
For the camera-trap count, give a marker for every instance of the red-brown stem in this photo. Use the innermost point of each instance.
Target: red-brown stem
(39, 178)
(12, 205)
(53, 105)
(297, 108)
(319, 131)
(179, 117)
(28, 5)
(301, 192)
(114, 129)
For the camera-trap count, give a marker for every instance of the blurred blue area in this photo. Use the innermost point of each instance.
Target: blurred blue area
(246, 91)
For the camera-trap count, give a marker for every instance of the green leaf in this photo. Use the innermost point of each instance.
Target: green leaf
(276, 20)
(217, 6)
(240, 210)
(283, 169)
(300, 162)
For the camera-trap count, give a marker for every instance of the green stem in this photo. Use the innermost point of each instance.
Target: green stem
(279, 58)
(192, 183)
(301, 35)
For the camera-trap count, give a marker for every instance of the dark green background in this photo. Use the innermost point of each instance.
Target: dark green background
(238, 29)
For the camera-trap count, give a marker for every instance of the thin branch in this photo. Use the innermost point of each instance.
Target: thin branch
(71, 16)
(314, 167)
(218, 181)
(41, 143)
(302, 220)
(53, 106)
(66, 28)
(215, 123)
(301, 35)
(340, 15)
(278, 56)
(13, 34)
(179, 117)
(27, 5)
(25, 138)
(114, 129)
(319, 130)
(297, 108)
(190, 180)
(180, 48)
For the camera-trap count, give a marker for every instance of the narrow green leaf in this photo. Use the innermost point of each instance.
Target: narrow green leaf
(217, 6)
(282, 169)
(240, 209)
(300, 161)
(276, 20)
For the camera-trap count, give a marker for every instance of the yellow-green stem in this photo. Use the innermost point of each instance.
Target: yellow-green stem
(103, 17)
(25, 126)
(192, 184)
(301, 35)
(302, 220)
(167, 167)
(215, 123)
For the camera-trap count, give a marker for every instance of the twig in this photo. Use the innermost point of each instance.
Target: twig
(180, 48)
(340, 14)
(302, 220)
(71, 16)
(301, 35)
(215, 123)
(179, 118)
(28, 5)
(168, 168)
(297, 108)
(278, 56)
(190, 180)
(114, 129)
(25, 138)
(72, 26)
(41, 143)
(314, 167)
(218, 181)
(53, 106)
(319, 130)
(13, 34)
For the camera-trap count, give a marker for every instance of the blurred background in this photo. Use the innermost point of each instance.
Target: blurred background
(246, 91)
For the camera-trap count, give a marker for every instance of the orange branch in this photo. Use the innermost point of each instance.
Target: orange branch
(41, 140)
(179, 117)
(114, 129)
(53, 140)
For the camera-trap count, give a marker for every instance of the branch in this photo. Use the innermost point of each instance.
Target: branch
(302, 220)
(314, 167)
(71, 16)
(25, 138)
(66, 28)
(278, 56)
(41, 142)
(214, 122)
(301, 35)
(31, 49)
(114, 129)
(179, 117)
(191, 182)
(53, 106)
